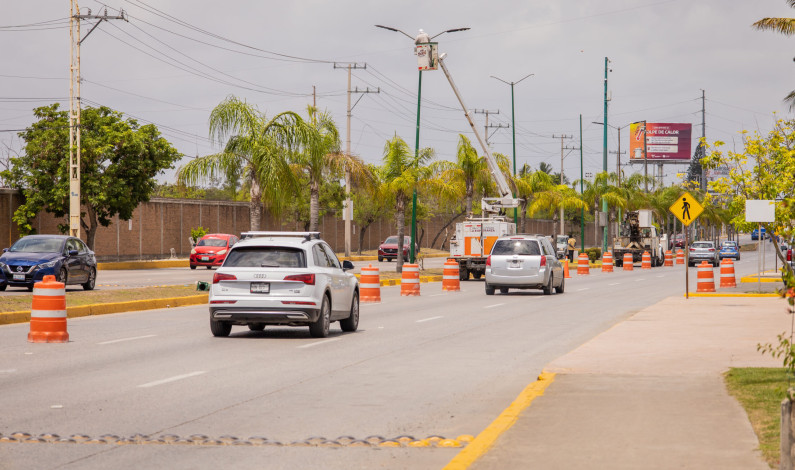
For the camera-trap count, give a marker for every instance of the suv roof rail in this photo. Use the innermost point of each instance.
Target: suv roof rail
(307, 235)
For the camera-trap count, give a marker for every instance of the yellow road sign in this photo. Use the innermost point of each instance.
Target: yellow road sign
(686, 209)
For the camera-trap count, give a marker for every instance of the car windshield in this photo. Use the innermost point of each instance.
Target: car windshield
(702, 245)
(562, 239)
(729, 244)
(211, 242)
(37, 245)
(516, 247)
(266, 257)
(394, 240)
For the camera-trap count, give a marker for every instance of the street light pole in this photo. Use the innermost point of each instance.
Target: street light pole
(513, 127)
(604, 162)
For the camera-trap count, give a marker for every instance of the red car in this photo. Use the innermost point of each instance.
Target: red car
(211, 250)
(388, 249)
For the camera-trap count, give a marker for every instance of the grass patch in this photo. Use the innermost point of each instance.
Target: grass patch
(76, 298)
(760, 391)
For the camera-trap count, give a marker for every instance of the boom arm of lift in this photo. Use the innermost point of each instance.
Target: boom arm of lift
(506, 200)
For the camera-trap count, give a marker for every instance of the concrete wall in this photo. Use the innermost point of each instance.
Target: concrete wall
(161, 224)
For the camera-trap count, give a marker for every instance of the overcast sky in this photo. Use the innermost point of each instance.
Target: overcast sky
(172, 65)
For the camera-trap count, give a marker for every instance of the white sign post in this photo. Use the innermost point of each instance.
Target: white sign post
(761, 210)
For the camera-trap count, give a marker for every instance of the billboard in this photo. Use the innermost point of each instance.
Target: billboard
(664, 141)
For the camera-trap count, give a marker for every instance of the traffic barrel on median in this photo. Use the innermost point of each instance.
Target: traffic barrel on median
(706, 278)
(727, 278)
(450, 277)
(669, 258)
(680, 256)
(410, 280)
(645, 261)
(607, 262)
(370, 284)
(583, 264)
(48, 312)
(628, 262)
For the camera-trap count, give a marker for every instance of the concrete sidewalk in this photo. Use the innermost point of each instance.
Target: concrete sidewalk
(649, 393)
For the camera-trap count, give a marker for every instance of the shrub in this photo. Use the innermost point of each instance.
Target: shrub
(594, 254)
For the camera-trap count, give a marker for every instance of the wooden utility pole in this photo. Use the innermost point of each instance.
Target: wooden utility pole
(74, 107)
(347, 207)
(492, 126)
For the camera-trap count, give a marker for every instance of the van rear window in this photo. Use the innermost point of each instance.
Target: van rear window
(266, 257)
(516, 247)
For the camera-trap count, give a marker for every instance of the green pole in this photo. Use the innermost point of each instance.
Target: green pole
(513, 129)
(416, 162)
(582, 209)
(604, 164)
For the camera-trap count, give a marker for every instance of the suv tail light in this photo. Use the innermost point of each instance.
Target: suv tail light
(218, 277)
(305, 278)
(488, 261)
(789, 254)
(543, 261)
(712, 249)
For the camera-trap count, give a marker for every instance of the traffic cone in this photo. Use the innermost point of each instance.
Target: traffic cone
(727, 278)
(566, 274)
(669, 258)
(583, 264)
(370, 284)
(628, 262)
(48, 312)
(706, 278)
(410, 280)
(450, 277)
(645, 262)
(680, 257)
(607, 262)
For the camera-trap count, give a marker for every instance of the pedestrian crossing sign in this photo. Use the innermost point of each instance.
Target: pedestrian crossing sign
(686, 209)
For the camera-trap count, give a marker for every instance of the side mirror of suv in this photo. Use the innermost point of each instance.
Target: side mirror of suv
(346, 265)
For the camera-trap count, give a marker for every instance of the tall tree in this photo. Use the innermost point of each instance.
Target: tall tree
(118, 165)
(785, 26)
(255, 148)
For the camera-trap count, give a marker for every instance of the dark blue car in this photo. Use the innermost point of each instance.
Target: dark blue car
(35, 256)
(729, 249)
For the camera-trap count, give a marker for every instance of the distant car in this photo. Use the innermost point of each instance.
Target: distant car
(35, 256)
(561, 245)
(283, 278)
(678, 241)
(211, 250)
(790, 257)
(703, 251)
(755, 234)
(388, 249)
(524, 262)
(729, 249)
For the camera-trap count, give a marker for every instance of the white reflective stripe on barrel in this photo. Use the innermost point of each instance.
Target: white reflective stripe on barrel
(369, 286)
(49, 292)
(450, 277)
(410, 281)
(48, 313)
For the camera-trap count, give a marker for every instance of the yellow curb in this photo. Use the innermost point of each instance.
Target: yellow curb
(107, 308)
(732, 294)
(166, 263)
(749, 279)
(481, 444)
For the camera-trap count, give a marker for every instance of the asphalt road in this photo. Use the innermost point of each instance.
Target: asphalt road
(442, 364)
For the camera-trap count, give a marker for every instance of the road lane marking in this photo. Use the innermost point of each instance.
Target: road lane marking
(495, 305)
(316, 343)
(661, 275)
(641, 279)
(436, 295)
(7, 371)
(127, 339)
(584, 288)
(429, 319)
(172, 379)
(614, 284)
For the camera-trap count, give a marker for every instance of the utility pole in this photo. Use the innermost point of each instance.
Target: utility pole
(74, 106)
(562, 148)
(492, 126)
(703, 137)
(347, 207)
(582, 209)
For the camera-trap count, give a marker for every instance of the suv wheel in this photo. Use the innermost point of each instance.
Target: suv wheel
(562, 286)
(319, 329)
(352, 322)
(220, 328)
(489, 290)
(380, 258)
(548, 287)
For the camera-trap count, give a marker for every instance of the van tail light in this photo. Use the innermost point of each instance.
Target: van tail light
(543, 261)
(305, 278)
(218, 277)
(789, 254)
(712, 249)
(692, 249)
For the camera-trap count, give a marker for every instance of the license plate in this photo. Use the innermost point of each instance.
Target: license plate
(19, 277)
(205, 258)
(260, 287)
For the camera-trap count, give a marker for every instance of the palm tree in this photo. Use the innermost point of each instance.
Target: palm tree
(468, 170)
(785, 26)
(257, 149)
(401, 172)
(528, 183)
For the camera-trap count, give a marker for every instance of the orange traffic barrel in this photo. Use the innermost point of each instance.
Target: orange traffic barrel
(706, 278)
(680, 257)
(566, 274)
(727, 278)
(669, 258)
(645, 262)
(450, 276)
(607, 262)
(410, 280)
(370, 284)
(48, 312)
(628, 262)
(583, 264)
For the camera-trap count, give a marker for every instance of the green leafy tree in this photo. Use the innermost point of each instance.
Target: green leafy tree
(119, 162)
(785, 26)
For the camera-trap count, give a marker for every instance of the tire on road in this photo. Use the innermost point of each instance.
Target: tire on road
(319, 328)
(220, 328)
(352, 322)
(92, 280)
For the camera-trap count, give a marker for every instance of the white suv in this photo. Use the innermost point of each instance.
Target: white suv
(283, 278)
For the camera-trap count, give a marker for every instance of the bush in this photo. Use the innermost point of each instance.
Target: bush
(594, 254)
(196, 234)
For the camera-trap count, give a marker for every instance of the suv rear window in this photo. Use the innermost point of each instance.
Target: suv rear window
(516, 247)
(266, 257)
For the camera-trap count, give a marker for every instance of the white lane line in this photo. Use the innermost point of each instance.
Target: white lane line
(641, 279)
(7, 371)
(172, 379)
(584, 288)
(614, 284)
(429, 319)
(436, 295)
(661, 275)
(317, 343)
(495, 305)
(126, 339)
